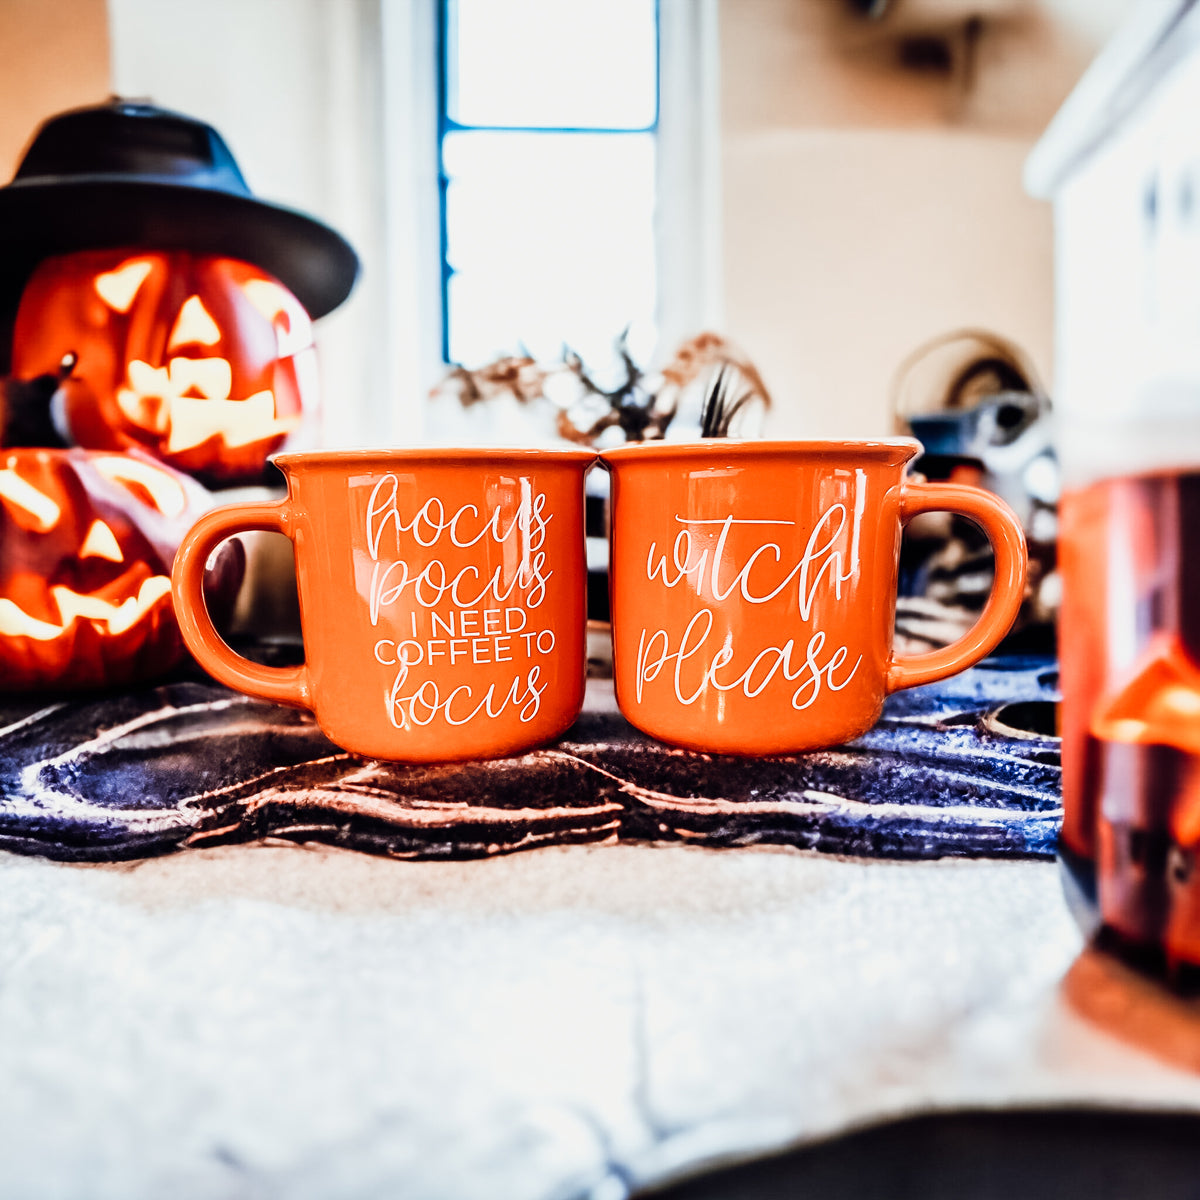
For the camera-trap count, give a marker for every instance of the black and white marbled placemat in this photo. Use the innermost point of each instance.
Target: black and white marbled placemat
(969, 766)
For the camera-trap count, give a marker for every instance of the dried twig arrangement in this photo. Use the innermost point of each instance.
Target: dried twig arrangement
(641, 406)
(517, 376)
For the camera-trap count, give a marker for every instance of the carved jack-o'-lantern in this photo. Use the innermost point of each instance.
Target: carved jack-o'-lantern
(205, 362)
(86, 544)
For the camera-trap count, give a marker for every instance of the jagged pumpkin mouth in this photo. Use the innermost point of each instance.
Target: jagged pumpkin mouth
(188, 403)
(43, 611)
(105, 611)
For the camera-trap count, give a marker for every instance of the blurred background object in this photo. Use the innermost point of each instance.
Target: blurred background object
(975, 403)
(707, 388)
(1122, 164)
(152, 322)
(174, 304)
(87, 539)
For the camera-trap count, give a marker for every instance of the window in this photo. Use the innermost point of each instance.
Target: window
(548, 119)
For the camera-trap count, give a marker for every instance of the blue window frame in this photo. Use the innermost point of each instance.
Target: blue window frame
(547, 124)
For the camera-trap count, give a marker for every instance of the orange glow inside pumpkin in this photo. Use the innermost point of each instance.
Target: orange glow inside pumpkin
(105, 615)
(46, 546)
(205, 362)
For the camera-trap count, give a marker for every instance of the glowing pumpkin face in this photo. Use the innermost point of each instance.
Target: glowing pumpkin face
(206, 363)
(86, 545)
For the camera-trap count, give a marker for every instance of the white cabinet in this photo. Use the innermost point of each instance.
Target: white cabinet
(1121, 162)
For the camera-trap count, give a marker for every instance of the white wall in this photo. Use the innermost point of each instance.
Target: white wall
(846, 250)
(869, 207)
(55, 57)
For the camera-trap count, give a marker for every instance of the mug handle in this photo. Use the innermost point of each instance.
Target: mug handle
(1004, 531)
(285, 685)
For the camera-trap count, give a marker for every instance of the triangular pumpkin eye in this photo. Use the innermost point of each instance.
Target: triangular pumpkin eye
(119, 287)
(194, 326)
(101, 542)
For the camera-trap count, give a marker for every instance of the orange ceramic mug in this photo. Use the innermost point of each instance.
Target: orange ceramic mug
(442, 598)
(753, 588)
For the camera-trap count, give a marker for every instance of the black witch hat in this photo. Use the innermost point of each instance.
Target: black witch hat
(130, 174)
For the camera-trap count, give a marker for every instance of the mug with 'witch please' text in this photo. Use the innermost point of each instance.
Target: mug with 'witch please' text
(753, 588)
(442, 598)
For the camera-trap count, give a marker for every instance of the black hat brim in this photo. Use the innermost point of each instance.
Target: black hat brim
(47, 217)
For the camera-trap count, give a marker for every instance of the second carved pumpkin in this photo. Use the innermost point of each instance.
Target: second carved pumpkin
(87, 539)
(205, 362)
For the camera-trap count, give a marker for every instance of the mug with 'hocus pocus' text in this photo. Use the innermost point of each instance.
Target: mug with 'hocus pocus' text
(442, 598)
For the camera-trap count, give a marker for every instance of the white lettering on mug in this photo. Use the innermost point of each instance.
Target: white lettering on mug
(458, 617)
(420, 706)
(694, 663)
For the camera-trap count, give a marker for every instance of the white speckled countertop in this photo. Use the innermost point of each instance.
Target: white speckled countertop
(272, 1021)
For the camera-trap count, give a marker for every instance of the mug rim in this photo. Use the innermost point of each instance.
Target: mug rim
(445, 456)
(890, 451)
